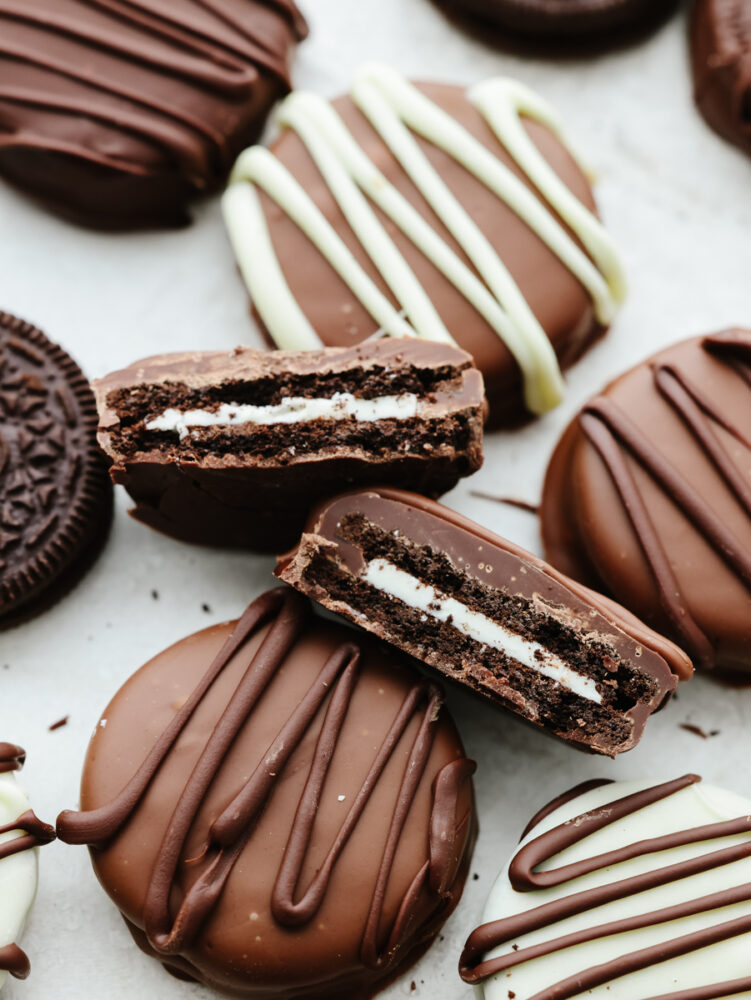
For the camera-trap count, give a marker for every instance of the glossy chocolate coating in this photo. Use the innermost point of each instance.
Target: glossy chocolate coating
(55, 498)
(721, 62)
(561, 19)
(479, 555)
(237, 494)
(117, 112)
(279, 808)
(659, 468)
(555, 296)
(622, 898)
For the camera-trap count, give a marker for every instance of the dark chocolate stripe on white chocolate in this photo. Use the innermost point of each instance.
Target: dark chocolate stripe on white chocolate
(530, 871)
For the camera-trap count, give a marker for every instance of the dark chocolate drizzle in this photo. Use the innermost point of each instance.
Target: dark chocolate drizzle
(33, 833)
(525, 878)
(231, 830)
(12, 757)
(14, 961)
(613, 434)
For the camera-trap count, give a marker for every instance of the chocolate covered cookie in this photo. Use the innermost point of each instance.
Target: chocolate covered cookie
(488, 615)
(117, 112)
(279, 807)
(648, 496)
(235, 448)
(563, 21)
(721, 62)
(55, 498)
(21, 832)
(623, 890)
(432, 211)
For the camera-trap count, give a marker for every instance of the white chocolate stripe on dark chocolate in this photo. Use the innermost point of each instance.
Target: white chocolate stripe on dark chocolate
(404, 587)
(632, 891)
(396, 109)
(291, 410)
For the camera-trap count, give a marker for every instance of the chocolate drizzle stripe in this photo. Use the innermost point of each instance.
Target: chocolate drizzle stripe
(12, 757)
(34, 834)
(524, 877)
(287, 614)
(608, 448)
(612, 433)
(14, 961)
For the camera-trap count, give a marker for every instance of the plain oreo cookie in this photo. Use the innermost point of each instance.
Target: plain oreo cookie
(721, 62)
(55, 496)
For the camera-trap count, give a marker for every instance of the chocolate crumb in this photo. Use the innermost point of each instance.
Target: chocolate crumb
(59, 724)
(475, 876)
(412, 986)
(155, 595)
(511, 995)
(697, 730)
(206, 608)
(531, 508)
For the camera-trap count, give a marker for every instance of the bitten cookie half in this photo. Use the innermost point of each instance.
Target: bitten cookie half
(488, 615)
(236, 448)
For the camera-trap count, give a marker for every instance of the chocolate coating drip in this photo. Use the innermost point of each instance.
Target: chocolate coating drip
(176, 916)
(683, 453)
(525, 876)
(14, 961)
(116, 112)
(35, 834)
(12, 758)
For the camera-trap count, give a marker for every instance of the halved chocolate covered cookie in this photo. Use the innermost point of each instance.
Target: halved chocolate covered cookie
(55, 498)
(433, 211)
(280, 807)
(235, 448)
(648, 496)
(622, 890)
(487, 614)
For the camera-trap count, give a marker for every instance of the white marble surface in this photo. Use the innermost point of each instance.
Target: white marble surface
(677, 199)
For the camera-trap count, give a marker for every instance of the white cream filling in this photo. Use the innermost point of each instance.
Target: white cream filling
(389, 579)
(291, 410)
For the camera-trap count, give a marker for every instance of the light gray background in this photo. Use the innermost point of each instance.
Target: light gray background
(676, 198)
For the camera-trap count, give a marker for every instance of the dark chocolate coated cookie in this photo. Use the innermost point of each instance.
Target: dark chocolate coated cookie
(55, 496)
(721, 62)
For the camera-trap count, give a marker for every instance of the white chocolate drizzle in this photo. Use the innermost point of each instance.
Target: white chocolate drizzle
(291, 410)
(396, 109)
(404, 587)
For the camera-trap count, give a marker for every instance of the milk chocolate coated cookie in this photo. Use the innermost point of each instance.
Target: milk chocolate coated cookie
(236, 448)
(55, 498)
(623, 890)
(21, 832)
(117, 112)
(280, 808)
(488, 615)
(648, 496)
(427, 210)
(721, 60)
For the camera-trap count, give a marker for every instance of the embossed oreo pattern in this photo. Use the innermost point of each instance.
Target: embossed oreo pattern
(55, 499)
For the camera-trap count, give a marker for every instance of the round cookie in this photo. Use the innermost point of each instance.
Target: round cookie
(116, 114)
(563, 20)
(721, 61)
(434, 211)
(20, 834)
(647, 896)
(648, 496)
(55, 494)
(279, 807)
